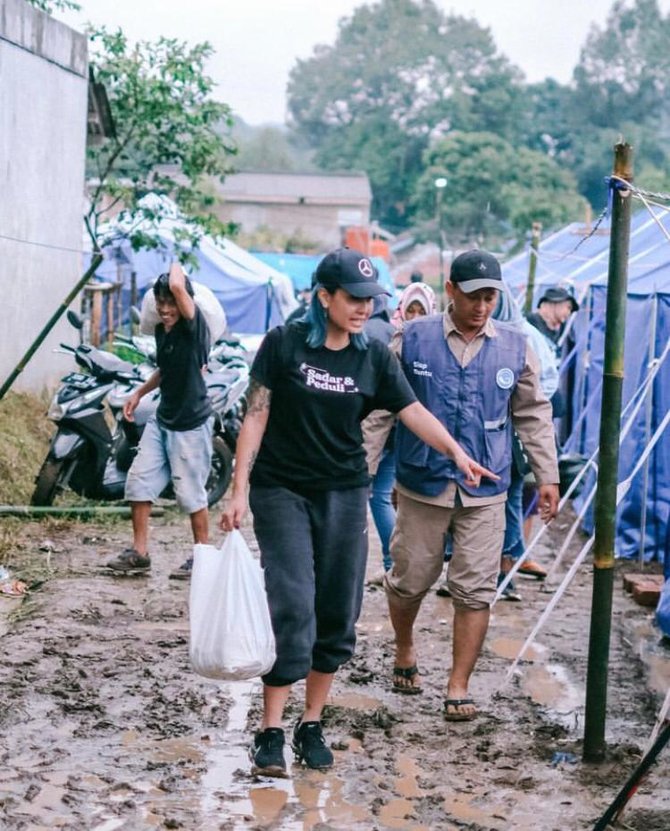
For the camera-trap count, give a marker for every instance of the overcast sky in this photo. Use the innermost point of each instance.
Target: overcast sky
(258, 41)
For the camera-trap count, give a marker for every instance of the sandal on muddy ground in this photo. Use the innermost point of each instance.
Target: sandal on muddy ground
(408, 674)
(530, 568)
(457, 703)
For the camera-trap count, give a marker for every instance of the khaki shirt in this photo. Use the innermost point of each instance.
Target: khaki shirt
(531, 418)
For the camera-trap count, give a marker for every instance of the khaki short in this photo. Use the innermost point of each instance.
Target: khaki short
(417, 549)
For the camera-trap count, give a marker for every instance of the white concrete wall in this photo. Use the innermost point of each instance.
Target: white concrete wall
(43, 109)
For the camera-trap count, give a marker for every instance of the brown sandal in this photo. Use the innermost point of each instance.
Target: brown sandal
(456, 703)
(408, 674)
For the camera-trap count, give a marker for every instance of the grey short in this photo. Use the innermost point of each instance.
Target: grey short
(181, 456)
(417, 549)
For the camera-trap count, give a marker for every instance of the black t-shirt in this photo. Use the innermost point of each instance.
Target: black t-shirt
(313, 440)
(180, 354)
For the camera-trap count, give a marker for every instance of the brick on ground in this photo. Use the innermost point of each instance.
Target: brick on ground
(644, 588)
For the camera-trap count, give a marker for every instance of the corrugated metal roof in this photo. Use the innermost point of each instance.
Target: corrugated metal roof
(314, 188)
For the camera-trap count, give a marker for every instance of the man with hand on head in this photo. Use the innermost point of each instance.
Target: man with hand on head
(480, 379)
(176, 445)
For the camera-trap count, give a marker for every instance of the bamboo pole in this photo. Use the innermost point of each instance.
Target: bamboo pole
(610, 417)
(53, 320)
(535, 233)
(77, 511)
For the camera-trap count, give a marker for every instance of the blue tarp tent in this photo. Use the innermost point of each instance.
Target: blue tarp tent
(644, 515)
(253, 294)
(300, 268)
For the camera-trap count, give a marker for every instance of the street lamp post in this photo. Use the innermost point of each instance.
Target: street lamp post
(440, 184)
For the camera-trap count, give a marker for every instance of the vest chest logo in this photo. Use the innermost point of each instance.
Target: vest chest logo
(505, 378)
(419, 368)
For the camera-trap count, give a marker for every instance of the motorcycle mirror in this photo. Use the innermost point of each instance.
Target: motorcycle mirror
(135, 315)
(75, 320)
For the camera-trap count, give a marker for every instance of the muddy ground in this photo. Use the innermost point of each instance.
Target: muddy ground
(104, 725)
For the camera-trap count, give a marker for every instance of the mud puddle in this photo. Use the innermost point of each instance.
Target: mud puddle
(106, 727)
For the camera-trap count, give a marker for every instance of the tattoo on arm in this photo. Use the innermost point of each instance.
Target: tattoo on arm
(259, 397)
(252, 460)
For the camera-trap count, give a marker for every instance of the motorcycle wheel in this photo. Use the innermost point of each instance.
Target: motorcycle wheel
(47, 482)
(221, 471)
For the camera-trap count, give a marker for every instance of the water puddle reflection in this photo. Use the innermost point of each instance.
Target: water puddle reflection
(399, 813)
(550, 686)
(306, 800)
(406, 784)
(354, 701)
(461, 808)
(510, 648)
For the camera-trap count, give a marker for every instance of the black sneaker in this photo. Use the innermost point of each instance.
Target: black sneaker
(443, 590)
(310, 747)
(184, 571)
(267, 753)
(130, 562)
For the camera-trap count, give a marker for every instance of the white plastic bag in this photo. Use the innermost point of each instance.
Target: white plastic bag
(205, 300)
(231, 632)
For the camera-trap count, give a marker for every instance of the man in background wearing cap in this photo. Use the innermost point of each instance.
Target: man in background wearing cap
(553, 309)
(472, 373)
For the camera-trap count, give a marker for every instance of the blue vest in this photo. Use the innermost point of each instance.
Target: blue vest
(473, 402)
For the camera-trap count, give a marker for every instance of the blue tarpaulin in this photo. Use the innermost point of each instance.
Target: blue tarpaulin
(300, 268)
(254, 295)
(644, 516)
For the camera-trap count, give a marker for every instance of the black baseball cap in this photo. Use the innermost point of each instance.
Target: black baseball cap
(350, 270)
(474, 270)
(557, 294)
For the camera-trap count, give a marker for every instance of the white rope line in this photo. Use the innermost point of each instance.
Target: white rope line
(625, 485)
(651, 193)
(560, 591)
(662, 717)
(664, 208)
(574, 527)
(549, 609)
(636, 401)
(538, 536)
(655, 218)
(581, 417)
(46, 245)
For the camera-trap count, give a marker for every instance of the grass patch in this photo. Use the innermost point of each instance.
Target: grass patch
(26, 433)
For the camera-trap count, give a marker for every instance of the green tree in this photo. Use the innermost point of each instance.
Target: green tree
(622, 87)
(493, 189)
(400, 74)
(624, 68)
(170, 135)
(269, 148)
(49, 6)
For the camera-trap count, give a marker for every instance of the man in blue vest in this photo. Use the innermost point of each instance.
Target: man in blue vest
(480, 378)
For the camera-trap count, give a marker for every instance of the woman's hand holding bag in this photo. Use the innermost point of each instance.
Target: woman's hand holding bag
(231, 634)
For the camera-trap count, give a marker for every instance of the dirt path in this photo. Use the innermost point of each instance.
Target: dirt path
(105, 726)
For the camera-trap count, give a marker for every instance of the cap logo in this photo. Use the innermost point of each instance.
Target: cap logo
(366, 268)
(482, 266)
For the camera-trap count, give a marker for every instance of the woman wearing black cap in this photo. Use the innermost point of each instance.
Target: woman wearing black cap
(301, 451)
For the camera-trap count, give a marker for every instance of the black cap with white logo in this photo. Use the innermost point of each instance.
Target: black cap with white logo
(474, 270)
(350, 270)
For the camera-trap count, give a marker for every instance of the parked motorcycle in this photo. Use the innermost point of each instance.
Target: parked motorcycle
(94, 445)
